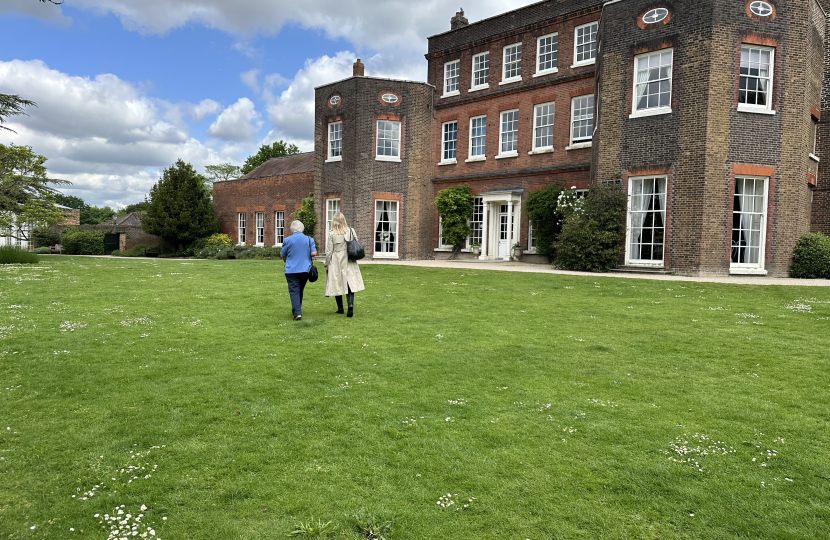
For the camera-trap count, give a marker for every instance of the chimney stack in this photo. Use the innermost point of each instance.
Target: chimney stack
(358, 68)
(459, 21)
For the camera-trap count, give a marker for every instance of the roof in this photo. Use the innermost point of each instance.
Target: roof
(374, 79)
(62, 207)
(293, 164)
(130, 220)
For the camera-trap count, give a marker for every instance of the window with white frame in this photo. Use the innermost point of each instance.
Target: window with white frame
(543, 126)
(241, 227)
(481, 71)
(452, 71)
(476, 222)
(512, 65)
(532, 241)
(335, 141)
(386, 228)
(389, 140)
(260, 228)
(647, 220)
(442, 242)
(582, 119)
(279, 227)
(547, 50)
(449, 142)
(478, 136)
(749, 216)
(652, 82)
(755, 86)
(332, 207)
(585, 44)
(509, 133)
(581, 193)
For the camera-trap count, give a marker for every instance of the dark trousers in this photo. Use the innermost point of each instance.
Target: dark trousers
(296, 286)
(349, 299)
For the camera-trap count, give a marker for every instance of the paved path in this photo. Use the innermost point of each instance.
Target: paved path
(505, 266)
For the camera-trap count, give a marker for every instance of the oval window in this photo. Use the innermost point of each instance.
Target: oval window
(390, 98)
(655, 15)
(335, 100)
(761, 8)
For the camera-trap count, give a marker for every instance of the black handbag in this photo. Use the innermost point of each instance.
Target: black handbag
(354, 249)
(312, 272)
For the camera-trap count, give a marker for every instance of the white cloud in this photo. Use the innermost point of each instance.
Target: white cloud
(204, 109)
(250, 79)
(239, 122)
(105, 135)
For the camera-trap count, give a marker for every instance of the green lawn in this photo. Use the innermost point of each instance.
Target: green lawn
(564, 407)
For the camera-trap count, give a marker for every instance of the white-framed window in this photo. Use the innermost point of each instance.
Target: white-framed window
(509, 133)
(760, 8)
(581, 193)
(585, 44)
(442, 242)
(452, 73)
(386, 228)
(582, 120)
(655, 15)
(476, 222)
(332, 207)
(749, 222)
(512, 64)
(389, 141)
(279, 227)
(543, 126)
(532, 241)
(260, 228)
(653, 83)
(481, 71)
(241, 227)
(449, 141)
(547, 51)
(478, 137)
(755, 85)
(335, 141)
(646, 220)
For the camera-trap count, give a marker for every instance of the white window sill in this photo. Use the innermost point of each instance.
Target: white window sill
(277, 245)
(530, 252)
(814, 157)
(388, 158)
(540, 151)
(757, 110)
(510, 81)
(448, 162)
(577, 146)
(385, 256)
(261, 245)
(475, 158)
(546, 72)
(507, 155)
(656, 111)
(590, 62)
(333, 159)
(447, 249)
(646, 264)
(747, 271)
(451, 94)
(478, 88)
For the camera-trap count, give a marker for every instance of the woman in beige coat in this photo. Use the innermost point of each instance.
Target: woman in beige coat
(342, 275)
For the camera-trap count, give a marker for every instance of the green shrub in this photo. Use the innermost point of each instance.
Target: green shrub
(45, 238)
(455, 206)
(43, 250)
(811, 257)
(83, 243)
(542, 206)
(260, 253)
(137, 250)
(206, 253)
(218, 241)
(15, 255)
(115, 253)
(307, 215)
(591, 238)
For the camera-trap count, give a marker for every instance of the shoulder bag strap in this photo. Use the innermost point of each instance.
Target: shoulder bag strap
(310, 260)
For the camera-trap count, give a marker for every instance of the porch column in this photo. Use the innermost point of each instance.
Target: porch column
(484, 226)
(509, 230)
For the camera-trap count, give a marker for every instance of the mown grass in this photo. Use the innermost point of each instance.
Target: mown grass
(570, 391)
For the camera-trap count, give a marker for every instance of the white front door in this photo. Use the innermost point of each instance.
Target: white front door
(504, 233)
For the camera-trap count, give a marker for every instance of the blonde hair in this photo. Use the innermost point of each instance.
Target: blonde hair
(339, 225)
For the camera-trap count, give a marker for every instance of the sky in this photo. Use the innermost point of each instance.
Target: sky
(126, 87)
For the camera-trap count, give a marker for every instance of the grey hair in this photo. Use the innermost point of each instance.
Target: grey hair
(297, 226)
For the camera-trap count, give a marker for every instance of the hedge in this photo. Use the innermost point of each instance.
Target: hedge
(76, 242)
(811, 257)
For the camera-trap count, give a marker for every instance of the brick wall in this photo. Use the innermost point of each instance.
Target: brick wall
(820, 221)
(267, 195)
(71, 216)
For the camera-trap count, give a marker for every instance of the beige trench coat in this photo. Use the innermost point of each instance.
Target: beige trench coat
(340, 271)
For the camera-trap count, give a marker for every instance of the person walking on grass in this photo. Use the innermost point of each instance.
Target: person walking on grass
(342, 275)
(297, 252)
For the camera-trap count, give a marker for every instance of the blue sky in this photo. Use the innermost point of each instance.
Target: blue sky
(126, 87)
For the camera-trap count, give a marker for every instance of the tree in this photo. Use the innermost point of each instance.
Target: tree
(70, 201)
(222, 172)
(92, 215)
(26, 196)
(137, 208)
(180, 209)
(12, 105)
(542, 209)
(278, 149)
(306, 215)
(455, 206)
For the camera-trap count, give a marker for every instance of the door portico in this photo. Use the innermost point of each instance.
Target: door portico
(502, 216)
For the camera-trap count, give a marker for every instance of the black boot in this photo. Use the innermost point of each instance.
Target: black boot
(339, 300)
(350, 300)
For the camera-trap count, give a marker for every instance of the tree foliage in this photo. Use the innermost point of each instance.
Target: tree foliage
(222, 172)
(93, 215)
(591, 238)
(26, 195)
(811, 257)
(137, 208)
(542, 210)
(455, 206)
(12, 105)
(70, 201)
(180, 209)
(307, 215)
(277, 149)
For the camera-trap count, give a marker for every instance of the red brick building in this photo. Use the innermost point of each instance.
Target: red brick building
(257, 208)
